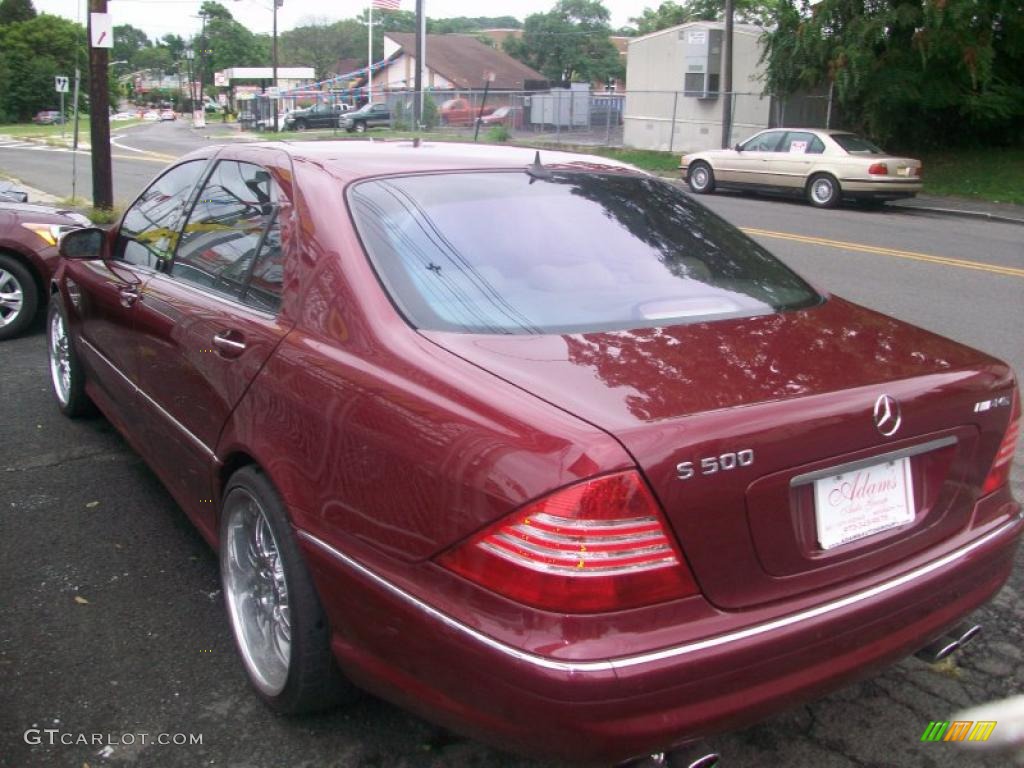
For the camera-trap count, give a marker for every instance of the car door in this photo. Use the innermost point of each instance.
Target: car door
(749, 166)
(380, 116)
(797, 154)
(104, 295)
(208, 321)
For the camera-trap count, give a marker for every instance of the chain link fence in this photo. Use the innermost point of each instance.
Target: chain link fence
(672, 121)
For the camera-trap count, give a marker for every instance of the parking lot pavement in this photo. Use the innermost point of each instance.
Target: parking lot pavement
(111, 624)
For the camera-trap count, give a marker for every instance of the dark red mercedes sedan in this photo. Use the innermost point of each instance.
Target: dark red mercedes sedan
(533, 445)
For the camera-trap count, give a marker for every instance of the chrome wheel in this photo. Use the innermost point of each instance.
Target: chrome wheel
(12, 298)
(823, 191)
(700, 178)
(256, 592)
(60, 358)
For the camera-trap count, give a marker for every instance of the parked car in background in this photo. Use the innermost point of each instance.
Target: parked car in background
(367, 116)
(824, 166)
(151, 115)
(321, 115)
(28, 258)
(460, 112)
(122, 116)
(167, 114)
(12, 193)
(532, 443)
(47, 117)
(510, 117)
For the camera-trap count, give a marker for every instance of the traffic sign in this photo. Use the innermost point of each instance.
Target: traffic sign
(101, 29)
(60, 84)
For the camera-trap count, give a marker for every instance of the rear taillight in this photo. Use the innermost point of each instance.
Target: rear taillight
(878, 169)
(599, 545)
(1000, 472)
(919, 170)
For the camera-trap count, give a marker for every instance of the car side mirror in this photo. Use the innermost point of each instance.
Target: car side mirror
(86, 243)
(738, 147)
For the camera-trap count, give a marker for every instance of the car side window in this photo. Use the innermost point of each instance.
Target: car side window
(264, 289)
(766, 142)
(802, 143)
(226, 228)
(149, 231)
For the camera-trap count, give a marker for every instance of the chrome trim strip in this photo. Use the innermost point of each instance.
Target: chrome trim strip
(624, 662)
(160, 409)
(853, 466)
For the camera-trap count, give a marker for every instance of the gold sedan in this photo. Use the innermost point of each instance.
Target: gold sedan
(825, 166)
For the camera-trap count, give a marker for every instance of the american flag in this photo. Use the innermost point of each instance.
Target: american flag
(386, 5)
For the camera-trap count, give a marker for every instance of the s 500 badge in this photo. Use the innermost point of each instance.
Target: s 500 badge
(709, 465)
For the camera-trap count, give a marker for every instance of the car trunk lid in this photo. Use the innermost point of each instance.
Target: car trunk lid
(777, 402)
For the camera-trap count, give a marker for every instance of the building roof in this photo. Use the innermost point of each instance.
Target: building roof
(465, 61)
(743, 29)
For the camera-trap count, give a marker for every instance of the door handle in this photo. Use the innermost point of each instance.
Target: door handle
(129, 295)
(228, 346)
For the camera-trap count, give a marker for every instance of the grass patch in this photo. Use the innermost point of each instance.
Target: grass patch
(99, 216)
(33, 131)
(984, 174)
(648, 159)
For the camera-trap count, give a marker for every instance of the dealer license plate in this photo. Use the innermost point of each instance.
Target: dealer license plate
(863, 502)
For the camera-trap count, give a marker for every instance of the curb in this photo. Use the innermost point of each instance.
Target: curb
(997, 217)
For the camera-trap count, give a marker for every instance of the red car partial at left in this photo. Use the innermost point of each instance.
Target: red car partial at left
(28, 258)
(533, 445)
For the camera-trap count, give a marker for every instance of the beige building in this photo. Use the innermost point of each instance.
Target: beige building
(673, 87)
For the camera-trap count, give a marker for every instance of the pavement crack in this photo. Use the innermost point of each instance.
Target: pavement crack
(50, 460)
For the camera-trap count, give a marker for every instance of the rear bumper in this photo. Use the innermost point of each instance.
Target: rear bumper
(613, 708)
(879, 189)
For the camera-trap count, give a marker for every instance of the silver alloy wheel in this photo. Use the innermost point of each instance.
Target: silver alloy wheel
(700, 176)
(12, 298)
(823, 189)
(256, 592)
(360, 127)
(60, 358)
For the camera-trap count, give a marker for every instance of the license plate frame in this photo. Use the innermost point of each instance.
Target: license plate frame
(854, 504)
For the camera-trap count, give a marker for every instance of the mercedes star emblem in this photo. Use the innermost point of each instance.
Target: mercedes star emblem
(887, 415)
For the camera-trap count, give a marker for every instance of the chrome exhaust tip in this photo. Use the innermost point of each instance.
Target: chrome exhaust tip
(965, 632)
(938, 649)
(709, 760)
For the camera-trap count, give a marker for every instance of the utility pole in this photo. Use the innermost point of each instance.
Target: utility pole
(421, 52)
(274, 101)
(727, 78)
(99, 115)
(369, 54)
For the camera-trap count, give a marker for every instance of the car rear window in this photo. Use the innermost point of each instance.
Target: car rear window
(561, 252)
(856, 144)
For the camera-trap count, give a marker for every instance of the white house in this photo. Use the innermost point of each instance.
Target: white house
(673, 87)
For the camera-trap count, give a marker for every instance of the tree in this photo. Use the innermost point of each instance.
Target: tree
(320, 44)
(13, 11)
(570, 42)
(32, 53)
(128, 41)
(670, 14)
(906, 72)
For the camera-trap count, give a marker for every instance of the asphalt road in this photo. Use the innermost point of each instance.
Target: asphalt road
(111, 620)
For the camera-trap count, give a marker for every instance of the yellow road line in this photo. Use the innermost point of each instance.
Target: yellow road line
(862, 248)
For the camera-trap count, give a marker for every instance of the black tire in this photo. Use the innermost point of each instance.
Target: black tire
(61, 356)
(310, 680)
(360, 126)
(701, 178)
(300, 125)
(823, 191)
(19, 310)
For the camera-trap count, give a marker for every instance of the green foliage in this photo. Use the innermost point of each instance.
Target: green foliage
(570, 42)
(498, 134)
(402, 115)
(320, 45)
(128, 41)
(13, 11)
(670, 14)
(471, 24)
(32, 53)
(911, 73)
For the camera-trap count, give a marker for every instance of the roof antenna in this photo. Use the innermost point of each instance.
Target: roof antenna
(536, 170)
